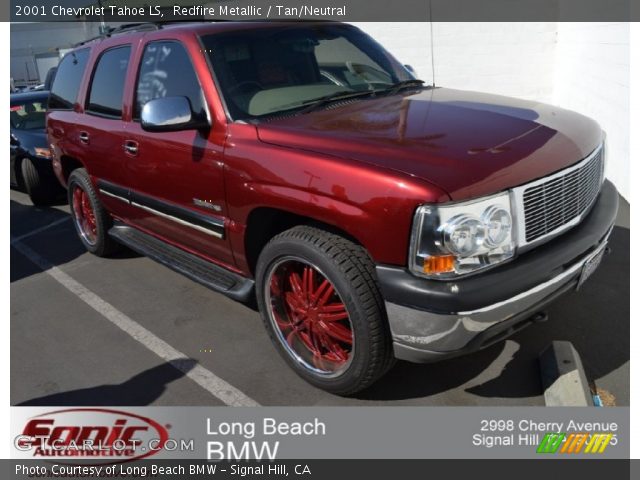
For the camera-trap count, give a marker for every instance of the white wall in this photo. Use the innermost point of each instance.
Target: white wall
(592, 77)
(583, 67)
(37, 38)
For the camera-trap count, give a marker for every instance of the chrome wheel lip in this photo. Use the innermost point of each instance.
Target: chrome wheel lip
(279, 334)
(77, 220)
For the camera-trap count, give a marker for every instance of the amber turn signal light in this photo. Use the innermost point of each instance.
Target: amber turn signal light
(439, 264)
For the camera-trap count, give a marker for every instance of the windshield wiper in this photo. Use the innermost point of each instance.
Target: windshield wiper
(396, 87)
(334, 97)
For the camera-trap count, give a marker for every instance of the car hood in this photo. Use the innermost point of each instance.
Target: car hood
(31, 138)
(469, 144)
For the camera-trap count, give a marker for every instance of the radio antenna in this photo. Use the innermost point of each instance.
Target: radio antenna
(433, 63)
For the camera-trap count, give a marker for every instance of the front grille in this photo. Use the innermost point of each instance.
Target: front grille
(561, 199)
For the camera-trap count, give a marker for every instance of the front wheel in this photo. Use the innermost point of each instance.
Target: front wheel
(41, 191)
(319, 299)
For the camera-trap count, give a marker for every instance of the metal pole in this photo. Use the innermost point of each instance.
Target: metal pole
(103, 25)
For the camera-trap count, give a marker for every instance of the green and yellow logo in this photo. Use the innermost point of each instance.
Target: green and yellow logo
(574, 443)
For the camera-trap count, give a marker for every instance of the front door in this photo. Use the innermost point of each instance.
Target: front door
(176, 178)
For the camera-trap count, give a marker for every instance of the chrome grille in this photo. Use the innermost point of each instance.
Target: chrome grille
(560, 200)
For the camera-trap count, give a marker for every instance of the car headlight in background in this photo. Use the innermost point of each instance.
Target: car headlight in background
(43, 152)
(448, 241)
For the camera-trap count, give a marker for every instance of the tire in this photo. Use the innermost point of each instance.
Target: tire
(91, 220)
(40, 191)
(319, 300)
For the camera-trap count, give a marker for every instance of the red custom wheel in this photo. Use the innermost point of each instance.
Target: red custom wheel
(309, 317)
(84, 215)
(91, 220)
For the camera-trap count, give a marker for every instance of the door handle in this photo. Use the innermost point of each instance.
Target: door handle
(84, 137)
(131, 147)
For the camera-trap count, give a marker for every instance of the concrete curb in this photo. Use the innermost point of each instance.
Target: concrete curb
(563, 377)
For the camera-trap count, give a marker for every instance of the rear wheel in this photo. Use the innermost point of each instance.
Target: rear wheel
(91, 220)
(40, 191)
(320, 302)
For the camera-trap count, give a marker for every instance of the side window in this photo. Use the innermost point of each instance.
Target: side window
(66, 85)
(107, 85)
(166, 71)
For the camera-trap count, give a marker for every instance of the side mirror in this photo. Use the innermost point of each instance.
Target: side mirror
(410, 69)
(170, 114)
(14, 140)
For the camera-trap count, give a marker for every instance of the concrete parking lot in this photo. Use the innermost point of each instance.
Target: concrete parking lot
(68, 347)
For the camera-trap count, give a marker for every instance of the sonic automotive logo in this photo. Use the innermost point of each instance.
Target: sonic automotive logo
(92, 432)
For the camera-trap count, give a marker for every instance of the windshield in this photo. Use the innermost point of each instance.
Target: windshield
(269, 70)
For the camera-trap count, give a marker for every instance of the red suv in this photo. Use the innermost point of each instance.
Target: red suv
(371, 216)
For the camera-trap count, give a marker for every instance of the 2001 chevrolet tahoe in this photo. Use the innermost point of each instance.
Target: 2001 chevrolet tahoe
(372, 216)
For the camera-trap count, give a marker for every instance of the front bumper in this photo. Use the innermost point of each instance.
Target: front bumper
(432, 320)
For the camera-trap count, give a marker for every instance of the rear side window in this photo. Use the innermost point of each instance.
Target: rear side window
(107, 85)
(166, 71)
(66, 85)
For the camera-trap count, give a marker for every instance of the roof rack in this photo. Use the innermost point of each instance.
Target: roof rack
(127, 27)
(140, 27)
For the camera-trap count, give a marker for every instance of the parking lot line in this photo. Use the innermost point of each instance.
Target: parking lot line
(40, 229)
(219, 388)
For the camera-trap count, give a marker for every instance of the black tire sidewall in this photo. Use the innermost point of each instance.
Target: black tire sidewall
(39, 192)
(290, 247)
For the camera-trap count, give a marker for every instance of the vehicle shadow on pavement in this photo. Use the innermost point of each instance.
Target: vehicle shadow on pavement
(58, 244)
(142, 389)
(595, 320)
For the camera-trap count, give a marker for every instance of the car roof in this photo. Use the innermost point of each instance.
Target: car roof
(38, 95)
(195, 27)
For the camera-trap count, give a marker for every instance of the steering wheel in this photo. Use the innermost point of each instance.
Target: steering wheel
(242, 86)
(360, 70)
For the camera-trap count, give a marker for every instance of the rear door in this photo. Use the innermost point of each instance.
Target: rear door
(176, 178)
(102, 134)
(64, 115)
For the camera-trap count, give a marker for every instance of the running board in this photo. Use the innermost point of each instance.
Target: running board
(206, 273)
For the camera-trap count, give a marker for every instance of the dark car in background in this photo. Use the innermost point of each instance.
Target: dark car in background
(31, 168)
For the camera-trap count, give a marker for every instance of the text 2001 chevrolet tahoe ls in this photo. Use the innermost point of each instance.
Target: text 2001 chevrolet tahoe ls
(372, 217)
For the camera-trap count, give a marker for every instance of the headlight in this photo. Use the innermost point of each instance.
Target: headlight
(43, 152)
(448, 241)
(463, 235)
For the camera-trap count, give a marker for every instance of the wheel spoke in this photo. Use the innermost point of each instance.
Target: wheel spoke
(336, 313)
(338, 331)
(326, 295)
(295, 305)
(282, 324)
(307, 340)
(296, 283)
(307, 282)
(275, 286)
(335, 352)
(320, 290)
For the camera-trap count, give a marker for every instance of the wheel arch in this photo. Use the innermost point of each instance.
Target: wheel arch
(264, 223)
(67, 165)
